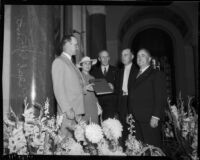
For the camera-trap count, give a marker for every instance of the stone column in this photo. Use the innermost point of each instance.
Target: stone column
(6, 61)
(97, 30)
(34, 30)
(78, 27)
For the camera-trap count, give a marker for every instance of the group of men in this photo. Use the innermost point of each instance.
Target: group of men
(138, 89)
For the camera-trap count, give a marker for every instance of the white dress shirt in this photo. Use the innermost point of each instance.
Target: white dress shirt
(127, 70)
(103, 68)
(67, 55)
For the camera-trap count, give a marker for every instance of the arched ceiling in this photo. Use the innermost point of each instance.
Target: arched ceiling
(154, 12)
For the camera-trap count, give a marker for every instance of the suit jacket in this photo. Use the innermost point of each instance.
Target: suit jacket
(147, 96)
(108, 100)
(67, 85)
(110, 75)
(119, 82)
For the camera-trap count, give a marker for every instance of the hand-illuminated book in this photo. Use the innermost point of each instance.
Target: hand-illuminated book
(101, 86)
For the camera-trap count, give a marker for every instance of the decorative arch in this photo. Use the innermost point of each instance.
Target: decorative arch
(175, 15)
(177, 40)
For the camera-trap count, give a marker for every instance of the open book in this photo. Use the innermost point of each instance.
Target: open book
(101, 86)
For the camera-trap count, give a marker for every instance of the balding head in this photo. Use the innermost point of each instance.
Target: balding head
(104, 58)
(143, 58)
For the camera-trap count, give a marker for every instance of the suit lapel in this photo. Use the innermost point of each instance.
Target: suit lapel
(132, 75)
(74, 67)
(121, 77)
(143, 76)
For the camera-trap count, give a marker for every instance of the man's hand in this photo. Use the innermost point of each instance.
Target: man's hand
(70, 114)
(111, 86)
(154, 122)
(78, 118)
(89, 87)
(99, 109)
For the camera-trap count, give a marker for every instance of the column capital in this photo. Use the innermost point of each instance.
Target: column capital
(95, 9)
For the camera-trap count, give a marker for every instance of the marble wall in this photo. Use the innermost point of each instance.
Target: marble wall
(34, 43)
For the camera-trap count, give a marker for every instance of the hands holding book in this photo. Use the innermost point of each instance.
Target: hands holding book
(89, 87)
(111, 86)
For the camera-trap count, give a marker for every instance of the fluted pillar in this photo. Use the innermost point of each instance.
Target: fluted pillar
(97, 29)
(34, 30)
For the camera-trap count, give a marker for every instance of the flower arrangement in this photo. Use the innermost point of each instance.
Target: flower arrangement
(136, 147)
(39, 135)
(181, 130)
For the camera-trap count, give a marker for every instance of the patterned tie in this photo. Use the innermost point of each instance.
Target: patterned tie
(104, 72)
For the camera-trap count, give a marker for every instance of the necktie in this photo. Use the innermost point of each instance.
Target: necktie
(104, 72)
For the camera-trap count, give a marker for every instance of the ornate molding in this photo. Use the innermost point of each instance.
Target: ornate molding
(94, 9)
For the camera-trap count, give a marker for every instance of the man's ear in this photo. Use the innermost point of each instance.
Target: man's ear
(132, 56)
(150, 59)
(99, 59)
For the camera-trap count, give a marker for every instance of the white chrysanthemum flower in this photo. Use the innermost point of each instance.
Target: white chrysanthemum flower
(79, 133)
(112, 128)
(93, 133)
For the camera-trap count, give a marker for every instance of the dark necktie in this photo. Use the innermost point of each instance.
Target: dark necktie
(104, 72)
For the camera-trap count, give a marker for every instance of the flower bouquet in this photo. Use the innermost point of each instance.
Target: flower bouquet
(100, 140)
(39, 135)
(181, 130)
(33, 135)
(136, 147)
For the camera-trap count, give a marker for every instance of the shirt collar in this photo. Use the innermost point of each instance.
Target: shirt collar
(129, 65)
(145, 68)
(102, 67)
(67, 55)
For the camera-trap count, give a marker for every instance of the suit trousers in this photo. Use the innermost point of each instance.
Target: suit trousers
(67, 127)
(108, 105)
(147, 134)
(122, 117)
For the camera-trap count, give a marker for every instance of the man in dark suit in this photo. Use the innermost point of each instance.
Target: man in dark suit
(108, 72)
(147, 99)
(124, 81)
